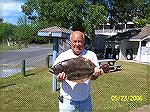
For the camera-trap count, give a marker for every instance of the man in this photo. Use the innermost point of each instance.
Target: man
(76, 96)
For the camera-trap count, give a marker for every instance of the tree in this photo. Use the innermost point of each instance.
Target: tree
(148, 12)
(96, 15)
(78, 15)
(23, 34)
(6, 33)
(23, 20)
(126, 10)
(51, 12)
(1, 20)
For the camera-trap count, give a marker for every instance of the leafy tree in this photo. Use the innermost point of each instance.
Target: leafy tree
(23, 20)
(6, 33)
(148, 12)
(140, 22)
(126, 10)
(78, 15)
(51, 12)
(1, 20)
(23, 35)
(96, 16)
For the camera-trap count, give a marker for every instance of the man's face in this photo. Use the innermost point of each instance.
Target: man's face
(76, 42)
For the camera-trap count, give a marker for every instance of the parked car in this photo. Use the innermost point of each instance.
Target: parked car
(129, 54)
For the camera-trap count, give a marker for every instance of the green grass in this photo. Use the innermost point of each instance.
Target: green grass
(4, 47)
(33, 92)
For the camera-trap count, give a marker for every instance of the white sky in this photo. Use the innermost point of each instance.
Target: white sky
(11, 10)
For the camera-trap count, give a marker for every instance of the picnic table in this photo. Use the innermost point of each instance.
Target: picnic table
(111, 62)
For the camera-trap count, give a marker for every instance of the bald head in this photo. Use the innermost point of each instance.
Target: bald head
(77, 33)
(77, 42)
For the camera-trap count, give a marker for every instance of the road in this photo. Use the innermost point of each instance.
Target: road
(35, 56)
(29, 54)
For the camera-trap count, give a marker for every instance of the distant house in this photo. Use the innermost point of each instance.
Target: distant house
(136, 45)
(140, 44)
(124, 42)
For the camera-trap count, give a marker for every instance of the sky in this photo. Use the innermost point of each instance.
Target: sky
(11, 10)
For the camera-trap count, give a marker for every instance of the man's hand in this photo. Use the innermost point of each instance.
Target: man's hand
(97, 72)
(61, 76)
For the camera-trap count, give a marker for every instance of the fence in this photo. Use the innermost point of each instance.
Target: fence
(25, 65)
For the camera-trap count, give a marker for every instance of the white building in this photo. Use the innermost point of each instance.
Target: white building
(132, 43)
(142, 43)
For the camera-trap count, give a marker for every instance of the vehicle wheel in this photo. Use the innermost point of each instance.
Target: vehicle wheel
(128, 57)
(117, 57)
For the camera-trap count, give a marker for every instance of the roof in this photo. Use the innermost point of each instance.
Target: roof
(56, 29)
(124, 35)
(143, 34)
(138, 34)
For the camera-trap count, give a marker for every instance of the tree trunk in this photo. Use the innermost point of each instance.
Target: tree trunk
(92, 38)
(26, 45)
(8, 43)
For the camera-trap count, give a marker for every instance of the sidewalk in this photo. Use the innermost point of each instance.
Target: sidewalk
(145, 108)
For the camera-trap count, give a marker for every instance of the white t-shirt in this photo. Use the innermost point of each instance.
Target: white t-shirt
(72, 90)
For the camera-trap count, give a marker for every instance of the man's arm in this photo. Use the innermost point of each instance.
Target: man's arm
(97, 72)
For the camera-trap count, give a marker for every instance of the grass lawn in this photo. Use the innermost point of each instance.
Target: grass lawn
(4, 47)
(109, 92)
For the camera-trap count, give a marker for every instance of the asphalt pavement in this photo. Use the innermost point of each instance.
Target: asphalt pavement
(33, 53)
(10, 60)
(34, 56)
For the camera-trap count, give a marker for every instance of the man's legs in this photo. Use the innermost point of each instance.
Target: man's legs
(66, 106)
(75, 106)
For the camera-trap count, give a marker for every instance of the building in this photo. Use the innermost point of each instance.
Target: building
(123, 42)
(140, 44)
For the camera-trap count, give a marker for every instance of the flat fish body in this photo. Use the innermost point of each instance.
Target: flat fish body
(75, 68)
